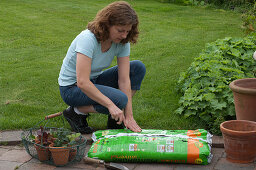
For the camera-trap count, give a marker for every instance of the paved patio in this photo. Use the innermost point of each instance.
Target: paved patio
(14, 156)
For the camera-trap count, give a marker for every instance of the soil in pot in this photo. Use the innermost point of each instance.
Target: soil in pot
(239, 140)
(43, 153)
(60, 155)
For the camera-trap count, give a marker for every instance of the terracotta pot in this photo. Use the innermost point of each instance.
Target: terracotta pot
(244, 91)
(60, 155)
(43, 153)
(239, 140)
(72, 154)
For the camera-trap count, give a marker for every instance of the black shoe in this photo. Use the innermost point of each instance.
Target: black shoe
(112, 124)
(86, 128)
(77, 122)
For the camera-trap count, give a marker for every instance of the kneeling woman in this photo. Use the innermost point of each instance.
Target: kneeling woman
(84, 84)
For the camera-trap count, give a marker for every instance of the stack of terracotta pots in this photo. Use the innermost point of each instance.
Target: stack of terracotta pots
(240, 135)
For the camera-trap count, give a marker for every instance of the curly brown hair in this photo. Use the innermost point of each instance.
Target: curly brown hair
(116, 13)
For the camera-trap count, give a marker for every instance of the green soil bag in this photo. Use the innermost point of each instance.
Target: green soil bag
(166, 146)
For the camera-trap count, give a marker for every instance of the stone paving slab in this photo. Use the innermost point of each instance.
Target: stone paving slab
(226, 165)
(151, 166)
(20, 156)
(3, 150)
(81, 165)
(35, 165)
(10, 137)
(217, 142)
(8, 165)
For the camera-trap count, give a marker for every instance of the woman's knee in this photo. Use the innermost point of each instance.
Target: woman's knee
(137, 73)
(119, 100)
(122, 101)
(137, 68)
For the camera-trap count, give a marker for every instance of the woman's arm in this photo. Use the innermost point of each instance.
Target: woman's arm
(83, 70)
(124, 84)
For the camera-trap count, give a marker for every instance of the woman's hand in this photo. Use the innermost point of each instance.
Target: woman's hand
(116, 114)
(131, 124)
(124, 84)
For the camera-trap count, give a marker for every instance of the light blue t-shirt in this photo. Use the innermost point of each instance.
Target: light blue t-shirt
(87, 44)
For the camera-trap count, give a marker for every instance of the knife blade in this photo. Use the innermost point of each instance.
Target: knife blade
(113, 166)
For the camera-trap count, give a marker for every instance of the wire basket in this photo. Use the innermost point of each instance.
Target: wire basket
(39, 142)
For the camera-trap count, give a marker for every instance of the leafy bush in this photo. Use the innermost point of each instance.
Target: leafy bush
(230, 2)
(205, 85)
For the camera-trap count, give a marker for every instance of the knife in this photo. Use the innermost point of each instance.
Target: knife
(110, 165)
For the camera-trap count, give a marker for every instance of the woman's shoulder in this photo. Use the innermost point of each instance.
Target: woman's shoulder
(87, 34)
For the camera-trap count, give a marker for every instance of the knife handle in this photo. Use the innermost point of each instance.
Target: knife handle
(92, 161)
(52, 115)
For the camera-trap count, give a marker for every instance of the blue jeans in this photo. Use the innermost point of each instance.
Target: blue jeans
(107, 84)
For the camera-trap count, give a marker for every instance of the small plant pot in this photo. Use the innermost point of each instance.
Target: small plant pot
(60, 155)
(244, 91)
(72, 154)
(239, 140)
(43, 153)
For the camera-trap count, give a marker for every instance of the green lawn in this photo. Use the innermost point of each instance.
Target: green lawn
(35, 35)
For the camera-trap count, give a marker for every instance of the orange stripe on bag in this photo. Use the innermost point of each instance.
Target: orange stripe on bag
(193, 151)
(193, 147)
(193, 133)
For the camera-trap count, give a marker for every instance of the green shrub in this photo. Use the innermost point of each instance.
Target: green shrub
(205, 85)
